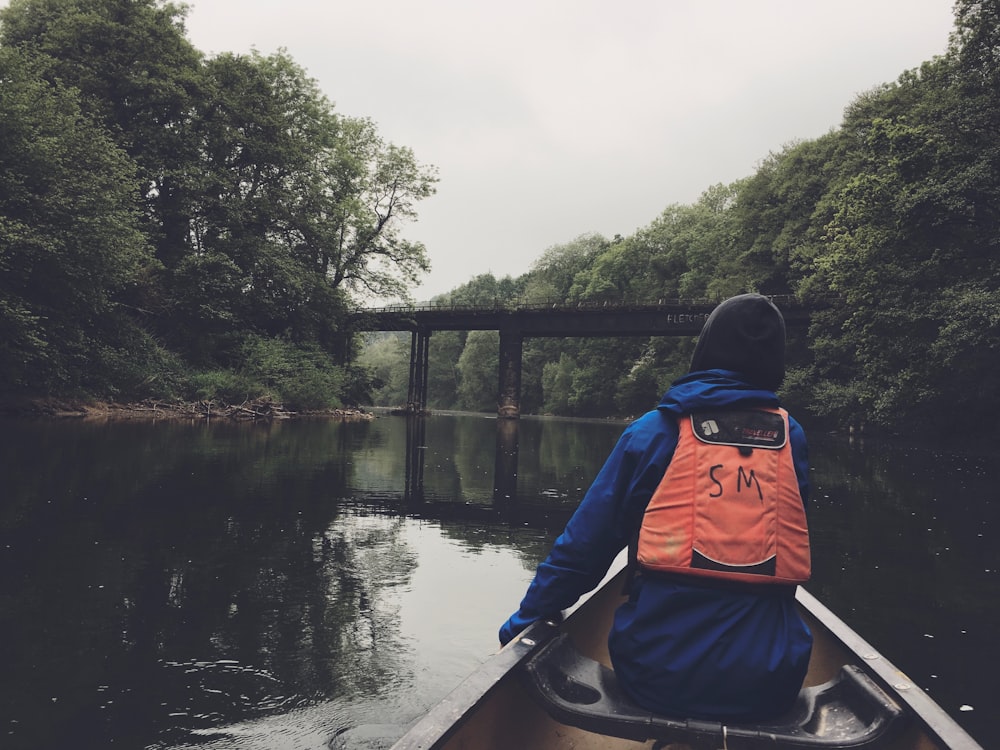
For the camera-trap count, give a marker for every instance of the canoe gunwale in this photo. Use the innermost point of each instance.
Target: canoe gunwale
(438, 724)
(445, 718)
(920, 707)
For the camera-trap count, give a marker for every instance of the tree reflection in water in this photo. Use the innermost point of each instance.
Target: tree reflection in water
(268, 586)
(189, 584)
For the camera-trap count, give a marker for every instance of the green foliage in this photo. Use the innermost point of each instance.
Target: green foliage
(386, 358)
(177, 224)
(69, 243)
(300, 377)
(781, 212)
(477, 371)
(484, 290)
(369, 256)
(912, 244)
(555, 275)
(224, 386)
(557, 382)
(660, 362)
(356, 387)
(137, 76)
(443, 374)
(196, 203)
(975, 42)
(595, 387)
(129, 364)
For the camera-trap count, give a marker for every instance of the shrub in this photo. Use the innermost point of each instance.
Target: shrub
(225, 386)
(301, 377)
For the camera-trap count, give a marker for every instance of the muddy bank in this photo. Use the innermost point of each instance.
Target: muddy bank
(157, 409)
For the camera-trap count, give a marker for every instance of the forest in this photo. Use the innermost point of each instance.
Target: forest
(182, 226)
(174, 225)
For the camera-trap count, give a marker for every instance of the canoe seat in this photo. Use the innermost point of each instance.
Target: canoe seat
(849, 711)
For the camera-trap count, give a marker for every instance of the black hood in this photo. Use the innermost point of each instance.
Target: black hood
(745, 334)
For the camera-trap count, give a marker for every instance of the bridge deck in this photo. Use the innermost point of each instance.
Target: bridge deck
(674, 317)
(516, 321)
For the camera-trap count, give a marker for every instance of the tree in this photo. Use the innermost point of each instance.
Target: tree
(557, 382)
(780, 213)
(265, 131)
(661, 260)
(914, 236)
(265, 208)
(975, 43)
(386, 357)
(138, 76)
(362, 246)
(69, 243)
(705, 232)
(484, 290)
(300, 197)
(443, 375)
(477, 367)
(554, 274)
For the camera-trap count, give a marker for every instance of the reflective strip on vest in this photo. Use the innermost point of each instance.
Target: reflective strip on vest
(725, 510)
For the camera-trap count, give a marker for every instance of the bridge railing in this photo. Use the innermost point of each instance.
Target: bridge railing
(522, 303)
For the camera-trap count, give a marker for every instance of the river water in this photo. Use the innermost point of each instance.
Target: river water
(316, 584)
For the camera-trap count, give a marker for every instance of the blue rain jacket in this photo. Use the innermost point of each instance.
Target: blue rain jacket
(679, 649)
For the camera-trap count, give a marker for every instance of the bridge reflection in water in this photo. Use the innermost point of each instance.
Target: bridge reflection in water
(504, 469)
(516, 321)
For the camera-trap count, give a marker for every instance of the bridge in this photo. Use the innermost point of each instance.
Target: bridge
(517, 320)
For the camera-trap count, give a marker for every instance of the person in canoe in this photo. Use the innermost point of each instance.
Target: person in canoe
(709, 492)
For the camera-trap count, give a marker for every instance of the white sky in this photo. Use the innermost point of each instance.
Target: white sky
(548, 119)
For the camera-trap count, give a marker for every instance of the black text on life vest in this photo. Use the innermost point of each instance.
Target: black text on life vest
(742, 480)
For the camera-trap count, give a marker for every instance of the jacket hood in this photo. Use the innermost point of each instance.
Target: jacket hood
(710, 389)
(744, 334)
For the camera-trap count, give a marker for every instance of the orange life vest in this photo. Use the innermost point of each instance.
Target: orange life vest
(729, 505)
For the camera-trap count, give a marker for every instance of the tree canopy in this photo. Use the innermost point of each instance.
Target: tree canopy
(179, 212)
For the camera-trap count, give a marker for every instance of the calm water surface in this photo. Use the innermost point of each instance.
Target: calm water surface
(320, 584)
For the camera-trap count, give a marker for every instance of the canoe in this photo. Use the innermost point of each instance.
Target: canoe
(552, 688)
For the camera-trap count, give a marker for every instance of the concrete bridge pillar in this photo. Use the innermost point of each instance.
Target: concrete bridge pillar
(509, 394)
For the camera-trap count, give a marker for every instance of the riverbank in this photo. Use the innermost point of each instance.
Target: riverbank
(155, 409)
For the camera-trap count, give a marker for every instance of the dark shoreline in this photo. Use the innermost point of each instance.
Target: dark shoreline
(157, 409)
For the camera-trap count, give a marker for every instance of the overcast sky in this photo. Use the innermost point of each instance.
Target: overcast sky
(548, 119)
